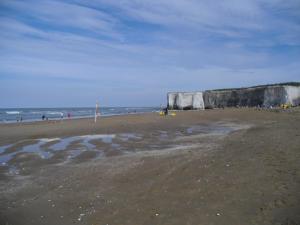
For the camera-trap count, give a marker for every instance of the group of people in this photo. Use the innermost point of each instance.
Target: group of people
(61, 116)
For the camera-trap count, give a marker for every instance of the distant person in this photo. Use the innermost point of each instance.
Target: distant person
(61, 116)
(43, 117)
(166, 111)
(69, 115)
(21, 119)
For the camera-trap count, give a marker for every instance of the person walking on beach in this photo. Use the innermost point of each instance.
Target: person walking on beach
(166, 111)
(69, 115)
(43, 117)
(61, 116)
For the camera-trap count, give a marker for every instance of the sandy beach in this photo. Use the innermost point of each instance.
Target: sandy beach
(231, 166)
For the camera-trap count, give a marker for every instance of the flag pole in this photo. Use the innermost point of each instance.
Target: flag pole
(96, 111)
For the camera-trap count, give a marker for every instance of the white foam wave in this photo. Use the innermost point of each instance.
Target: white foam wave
(12, 112)
(36, 112)
(54, 113)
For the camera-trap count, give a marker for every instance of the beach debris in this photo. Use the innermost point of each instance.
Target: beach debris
(156, 214)
(227, 165)
(218, 214)
(80, 216)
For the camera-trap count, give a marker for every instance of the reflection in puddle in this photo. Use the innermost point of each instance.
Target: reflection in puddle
(106, 138)
(5, 158)
(37, 148)
(63, 143)
(84, 140)
(3, 148)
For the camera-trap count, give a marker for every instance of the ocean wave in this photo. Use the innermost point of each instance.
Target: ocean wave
(85, 111)
(35, 112)
(54, 113)
(12, 112)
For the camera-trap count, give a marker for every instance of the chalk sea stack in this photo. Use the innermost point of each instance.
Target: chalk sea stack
(185, 100)
(263, 96)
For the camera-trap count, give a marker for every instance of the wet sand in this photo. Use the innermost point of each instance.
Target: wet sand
(232, 166)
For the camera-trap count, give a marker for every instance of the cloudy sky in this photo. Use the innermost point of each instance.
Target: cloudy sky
(132, 52)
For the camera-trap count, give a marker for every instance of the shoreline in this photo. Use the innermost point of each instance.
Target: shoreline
(10, 132)
(72, 118)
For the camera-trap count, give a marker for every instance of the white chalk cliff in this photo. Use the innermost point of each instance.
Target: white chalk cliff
(265, 96)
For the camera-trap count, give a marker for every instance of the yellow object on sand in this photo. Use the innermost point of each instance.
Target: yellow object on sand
(173, 114)
(286, 106)
(161, 113)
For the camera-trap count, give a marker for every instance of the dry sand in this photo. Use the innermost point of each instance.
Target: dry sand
(232, 166)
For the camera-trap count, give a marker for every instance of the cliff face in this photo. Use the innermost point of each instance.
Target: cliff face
(185, 100)
(230, 98)
(260, 96)
(266, 96)
(293, 95)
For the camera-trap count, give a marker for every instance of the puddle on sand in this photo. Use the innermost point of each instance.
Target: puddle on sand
(36, 148)
(106, 138)
(5, 158)
(32, 148)
(116, 146)
(163, 135)
(46, 148)
(84, 140)
(3, 148)
(128, 136)
(63, 143)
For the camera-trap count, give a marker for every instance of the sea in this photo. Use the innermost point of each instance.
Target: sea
(16, 115)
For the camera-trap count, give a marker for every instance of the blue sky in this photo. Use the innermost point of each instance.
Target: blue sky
(132, 52)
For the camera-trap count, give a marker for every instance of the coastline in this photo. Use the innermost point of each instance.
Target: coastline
(25, 115)
(72, 118)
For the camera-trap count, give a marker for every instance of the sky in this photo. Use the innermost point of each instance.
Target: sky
(132, 52)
